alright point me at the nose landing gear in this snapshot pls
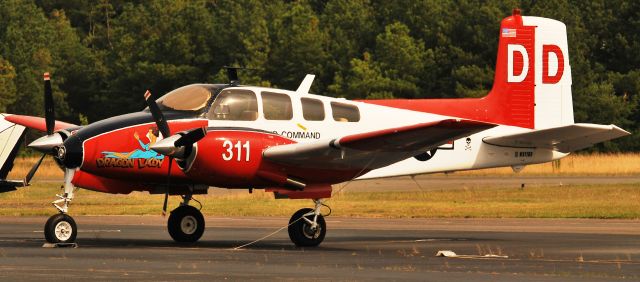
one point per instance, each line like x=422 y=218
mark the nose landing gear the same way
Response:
x=61 y=228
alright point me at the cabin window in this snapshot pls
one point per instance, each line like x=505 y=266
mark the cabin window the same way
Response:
x=312 y=109
x=345 y=112
x=276 y=106
x=234 y=104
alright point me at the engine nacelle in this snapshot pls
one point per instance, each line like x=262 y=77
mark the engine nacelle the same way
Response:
x=231 y=158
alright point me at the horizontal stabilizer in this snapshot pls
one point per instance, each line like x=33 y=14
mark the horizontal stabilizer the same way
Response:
x=564 y=139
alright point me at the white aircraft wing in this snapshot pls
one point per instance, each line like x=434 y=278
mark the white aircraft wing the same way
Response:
x=564 y=139
x=374 y=149
x=11 y=136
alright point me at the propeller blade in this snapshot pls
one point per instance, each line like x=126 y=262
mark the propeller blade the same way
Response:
x=191 y=137
x=33 y=170
x=158 y=117
x=164 y=206
x=49 y=114
x=166 y=193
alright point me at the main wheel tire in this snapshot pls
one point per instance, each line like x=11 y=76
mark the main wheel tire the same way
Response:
x=60 y=228
x=186 y=224
x=300 y=231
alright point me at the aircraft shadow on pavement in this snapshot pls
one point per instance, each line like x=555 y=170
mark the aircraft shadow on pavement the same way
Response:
x=119 y=243
x=339 y=243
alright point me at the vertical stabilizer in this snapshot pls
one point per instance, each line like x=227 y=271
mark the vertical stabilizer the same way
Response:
x=533 y=75
x=532 y=81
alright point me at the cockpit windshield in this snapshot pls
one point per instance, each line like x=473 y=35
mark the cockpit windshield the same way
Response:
x=192 y=97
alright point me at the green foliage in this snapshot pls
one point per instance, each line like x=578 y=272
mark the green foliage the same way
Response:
x=104 y=54
x=299 y=46
x=83 y=119
x=7 y=84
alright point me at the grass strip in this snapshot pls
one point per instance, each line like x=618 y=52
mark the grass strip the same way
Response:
x=621 y=201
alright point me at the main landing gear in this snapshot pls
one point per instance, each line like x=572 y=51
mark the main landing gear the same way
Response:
x=307 y=226
x=186 y=223
x=61 y=228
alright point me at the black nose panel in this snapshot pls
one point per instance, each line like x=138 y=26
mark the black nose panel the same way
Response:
x=72 y=157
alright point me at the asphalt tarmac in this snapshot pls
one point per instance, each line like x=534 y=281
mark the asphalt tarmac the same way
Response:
x=139 y=248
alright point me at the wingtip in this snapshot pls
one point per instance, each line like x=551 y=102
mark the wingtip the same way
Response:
x=620 y=130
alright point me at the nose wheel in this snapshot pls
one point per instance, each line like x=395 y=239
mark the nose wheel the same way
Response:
x=307 y=227
x=186 y=224
x=60 y=228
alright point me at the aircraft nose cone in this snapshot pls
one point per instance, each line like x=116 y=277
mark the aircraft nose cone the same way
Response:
x=167 y=147
x=70 y=153
x=46 y=143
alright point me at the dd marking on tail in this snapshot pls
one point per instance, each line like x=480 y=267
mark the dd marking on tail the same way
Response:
x=552 y=63
x=557 y=62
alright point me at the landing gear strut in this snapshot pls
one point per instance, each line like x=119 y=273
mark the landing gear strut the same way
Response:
x=186 y=223
x=61 y=228
x=307 y=226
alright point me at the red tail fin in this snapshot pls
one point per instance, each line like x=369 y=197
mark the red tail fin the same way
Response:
x=513 y=84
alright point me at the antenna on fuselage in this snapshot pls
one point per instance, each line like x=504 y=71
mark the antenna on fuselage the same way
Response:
x=232 y=75
x=305 y=85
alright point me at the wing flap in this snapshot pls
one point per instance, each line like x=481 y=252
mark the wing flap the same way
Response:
x=374 y=149
x=564 y=139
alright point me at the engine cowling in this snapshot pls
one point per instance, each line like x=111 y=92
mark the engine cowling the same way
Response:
x=232 y=158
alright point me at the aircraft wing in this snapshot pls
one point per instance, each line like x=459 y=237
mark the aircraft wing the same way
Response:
x=36 y=123
x=373 y=149
x=11 y=136
x=565 y=139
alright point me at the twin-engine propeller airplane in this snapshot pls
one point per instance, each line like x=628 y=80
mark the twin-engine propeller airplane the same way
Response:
x=297 y=145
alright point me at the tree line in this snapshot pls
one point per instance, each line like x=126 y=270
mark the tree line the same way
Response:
x=104 y=54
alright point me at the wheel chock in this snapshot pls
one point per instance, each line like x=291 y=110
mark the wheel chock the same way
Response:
x=60 y=245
